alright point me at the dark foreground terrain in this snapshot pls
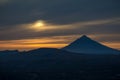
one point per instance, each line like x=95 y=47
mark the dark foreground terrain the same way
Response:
x=55 y=64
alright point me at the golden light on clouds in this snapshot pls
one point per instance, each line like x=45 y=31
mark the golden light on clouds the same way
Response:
x=28 y=44
x=22 y=47
x=115 y=45
x=50 y=42
x=45 y=35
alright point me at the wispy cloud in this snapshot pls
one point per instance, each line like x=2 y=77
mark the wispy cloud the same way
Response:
x=98 y=19
x=100 y=27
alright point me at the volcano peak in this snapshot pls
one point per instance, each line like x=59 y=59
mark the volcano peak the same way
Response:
x=85 y=44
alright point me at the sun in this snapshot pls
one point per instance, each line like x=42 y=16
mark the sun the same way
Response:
x=39 y=23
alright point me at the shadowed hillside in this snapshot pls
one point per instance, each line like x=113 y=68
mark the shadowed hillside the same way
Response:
x=61 y=64
x=86 y=45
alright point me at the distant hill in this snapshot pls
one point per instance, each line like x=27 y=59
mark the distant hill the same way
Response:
x=57 y=64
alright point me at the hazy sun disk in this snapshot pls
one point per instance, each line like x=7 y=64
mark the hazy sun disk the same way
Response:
x=38 y=25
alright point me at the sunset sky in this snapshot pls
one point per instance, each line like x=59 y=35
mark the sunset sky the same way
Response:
x=30 y=24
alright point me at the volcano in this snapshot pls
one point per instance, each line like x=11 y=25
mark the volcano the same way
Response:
x=86 y=45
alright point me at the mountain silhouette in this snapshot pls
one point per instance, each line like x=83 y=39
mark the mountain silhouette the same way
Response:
x=62 y=64
x=86 y=45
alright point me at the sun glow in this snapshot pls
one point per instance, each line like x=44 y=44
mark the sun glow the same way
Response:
x=38 y=25
x=41 y=25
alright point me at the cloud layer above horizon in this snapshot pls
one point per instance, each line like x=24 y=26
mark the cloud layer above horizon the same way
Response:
x=99 y=19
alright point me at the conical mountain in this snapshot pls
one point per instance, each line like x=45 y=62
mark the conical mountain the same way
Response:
x=87 y=45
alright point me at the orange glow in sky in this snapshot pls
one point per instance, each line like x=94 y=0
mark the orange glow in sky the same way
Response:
x=58 y=42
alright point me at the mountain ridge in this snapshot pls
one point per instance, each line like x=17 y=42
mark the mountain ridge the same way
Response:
x=82 y=45
x=85 y=44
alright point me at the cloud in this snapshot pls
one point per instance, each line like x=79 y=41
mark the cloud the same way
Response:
x=97 y=18
x=100 y=27
x=57 y=11
x=3 y=2
x=55 y=42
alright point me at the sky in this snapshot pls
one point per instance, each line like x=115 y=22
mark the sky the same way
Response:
x=30 y=24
